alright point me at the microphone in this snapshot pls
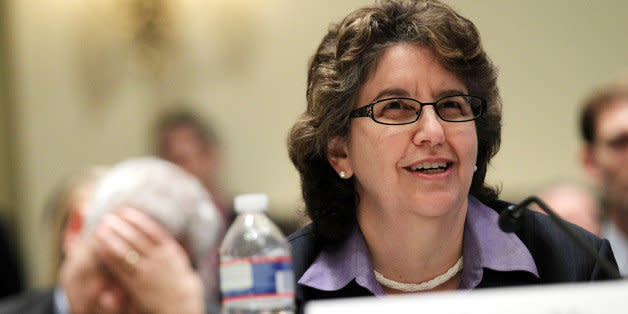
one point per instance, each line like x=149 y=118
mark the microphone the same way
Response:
x=509 y=222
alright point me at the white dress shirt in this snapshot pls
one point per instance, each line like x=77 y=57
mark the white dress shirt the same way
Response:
x=619 y=244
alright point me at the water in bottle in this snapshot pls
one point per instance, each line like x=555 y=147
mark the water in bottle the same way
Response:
x=255 y=262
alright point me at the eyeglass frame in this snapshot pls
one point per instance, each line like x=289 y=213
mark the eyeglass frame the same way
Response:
x=367 y=110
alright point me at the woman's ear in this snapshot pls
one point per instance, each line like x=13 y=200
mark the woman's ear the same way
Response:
x=338 y=156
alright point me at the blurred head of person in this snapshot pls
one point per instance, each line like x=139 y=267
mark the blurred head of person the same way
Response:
x=185 y=140
x=369 y=66
x=573 y=203
x=165 y=192
x=604 y=129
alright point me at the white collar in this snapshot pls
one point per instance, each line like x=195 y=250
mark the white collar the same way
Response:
x=619 y=244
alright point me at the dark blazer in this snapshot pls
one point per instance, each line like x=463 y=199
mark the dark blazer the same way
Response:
x=42 y=302
x=37 y=302
x=557 y=257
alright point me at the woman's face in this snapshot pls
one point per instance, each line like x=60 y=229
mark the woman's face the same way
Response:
x=386 y=160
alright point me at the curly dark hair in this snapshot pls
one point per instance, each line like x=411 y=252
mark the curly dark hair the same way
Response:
x=344 y=58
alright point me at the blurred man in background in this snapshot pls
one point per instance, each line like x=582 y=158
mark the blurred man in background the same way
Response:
x=136 y=247
x=185 y=140
x=604 y=128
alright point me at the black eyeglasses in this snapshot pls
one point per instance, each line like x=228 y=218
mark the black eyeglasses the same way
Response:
x=404 y=110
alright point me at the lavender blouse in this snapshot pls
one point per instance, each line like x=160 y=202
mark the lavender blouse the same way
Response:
x=484 y=246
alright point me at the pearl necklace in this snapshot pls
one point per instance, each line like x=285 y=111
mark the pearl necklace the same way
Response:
x=427 y=285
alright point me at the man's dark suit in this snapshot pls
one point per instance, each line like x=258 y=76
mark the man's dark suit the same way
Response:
x=557 y=257
x=37 y=302
x=42 y=302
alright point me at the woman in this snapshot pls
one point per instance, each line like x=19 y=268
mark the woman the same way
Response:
x=403 y=118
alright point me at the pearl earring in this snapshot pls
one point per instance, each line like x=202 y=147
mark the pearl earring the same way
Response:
x=475 y=168
x=343 y=175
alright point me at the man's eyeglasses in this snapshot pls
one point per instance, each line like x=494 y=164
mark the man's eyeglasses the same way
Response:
x=404 y=110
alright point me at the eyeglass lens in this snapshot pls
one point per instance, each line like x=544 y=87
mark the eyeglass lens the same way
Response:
x=406 y=110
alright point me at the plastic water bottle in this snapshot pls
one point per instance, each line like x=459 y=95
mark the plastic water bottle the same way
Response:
x=255 y=262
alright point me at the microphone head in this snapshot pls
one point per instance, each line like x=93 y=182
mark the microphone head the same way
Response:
x=509 y=222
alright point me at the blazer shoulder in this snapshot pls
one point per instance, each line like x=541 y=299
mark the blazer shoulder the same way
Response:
x=558 y=256
x=302 y=234
x=304 y=245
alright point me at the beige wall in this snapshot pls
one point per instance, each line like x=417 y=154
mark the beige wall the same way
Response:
x=550 y=54
x=4 y=159
x=5 y=188
x=86 y=92
x=5 y=185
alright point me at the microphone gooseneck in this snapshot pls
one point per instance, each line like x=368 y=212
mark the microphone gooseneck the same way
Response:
x=509 y=221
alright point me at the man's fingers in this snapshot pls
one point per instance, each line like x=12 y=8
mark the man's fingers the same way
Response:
x=145 y=224
x=120 y=258
x=128 y=233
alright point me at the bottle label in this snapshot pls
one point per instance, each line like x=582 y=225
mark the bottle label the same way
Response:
x=256 y=278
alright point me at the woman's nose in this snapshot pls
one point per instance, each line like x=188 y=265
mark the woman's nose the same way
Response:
x=429 y=128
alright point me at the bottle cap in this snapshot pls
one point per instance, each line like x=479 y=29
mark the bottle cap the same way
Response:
x=257 y=202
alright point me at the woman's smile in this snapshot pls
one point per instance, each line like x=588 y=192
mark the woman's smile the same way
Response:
x=432 y=169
